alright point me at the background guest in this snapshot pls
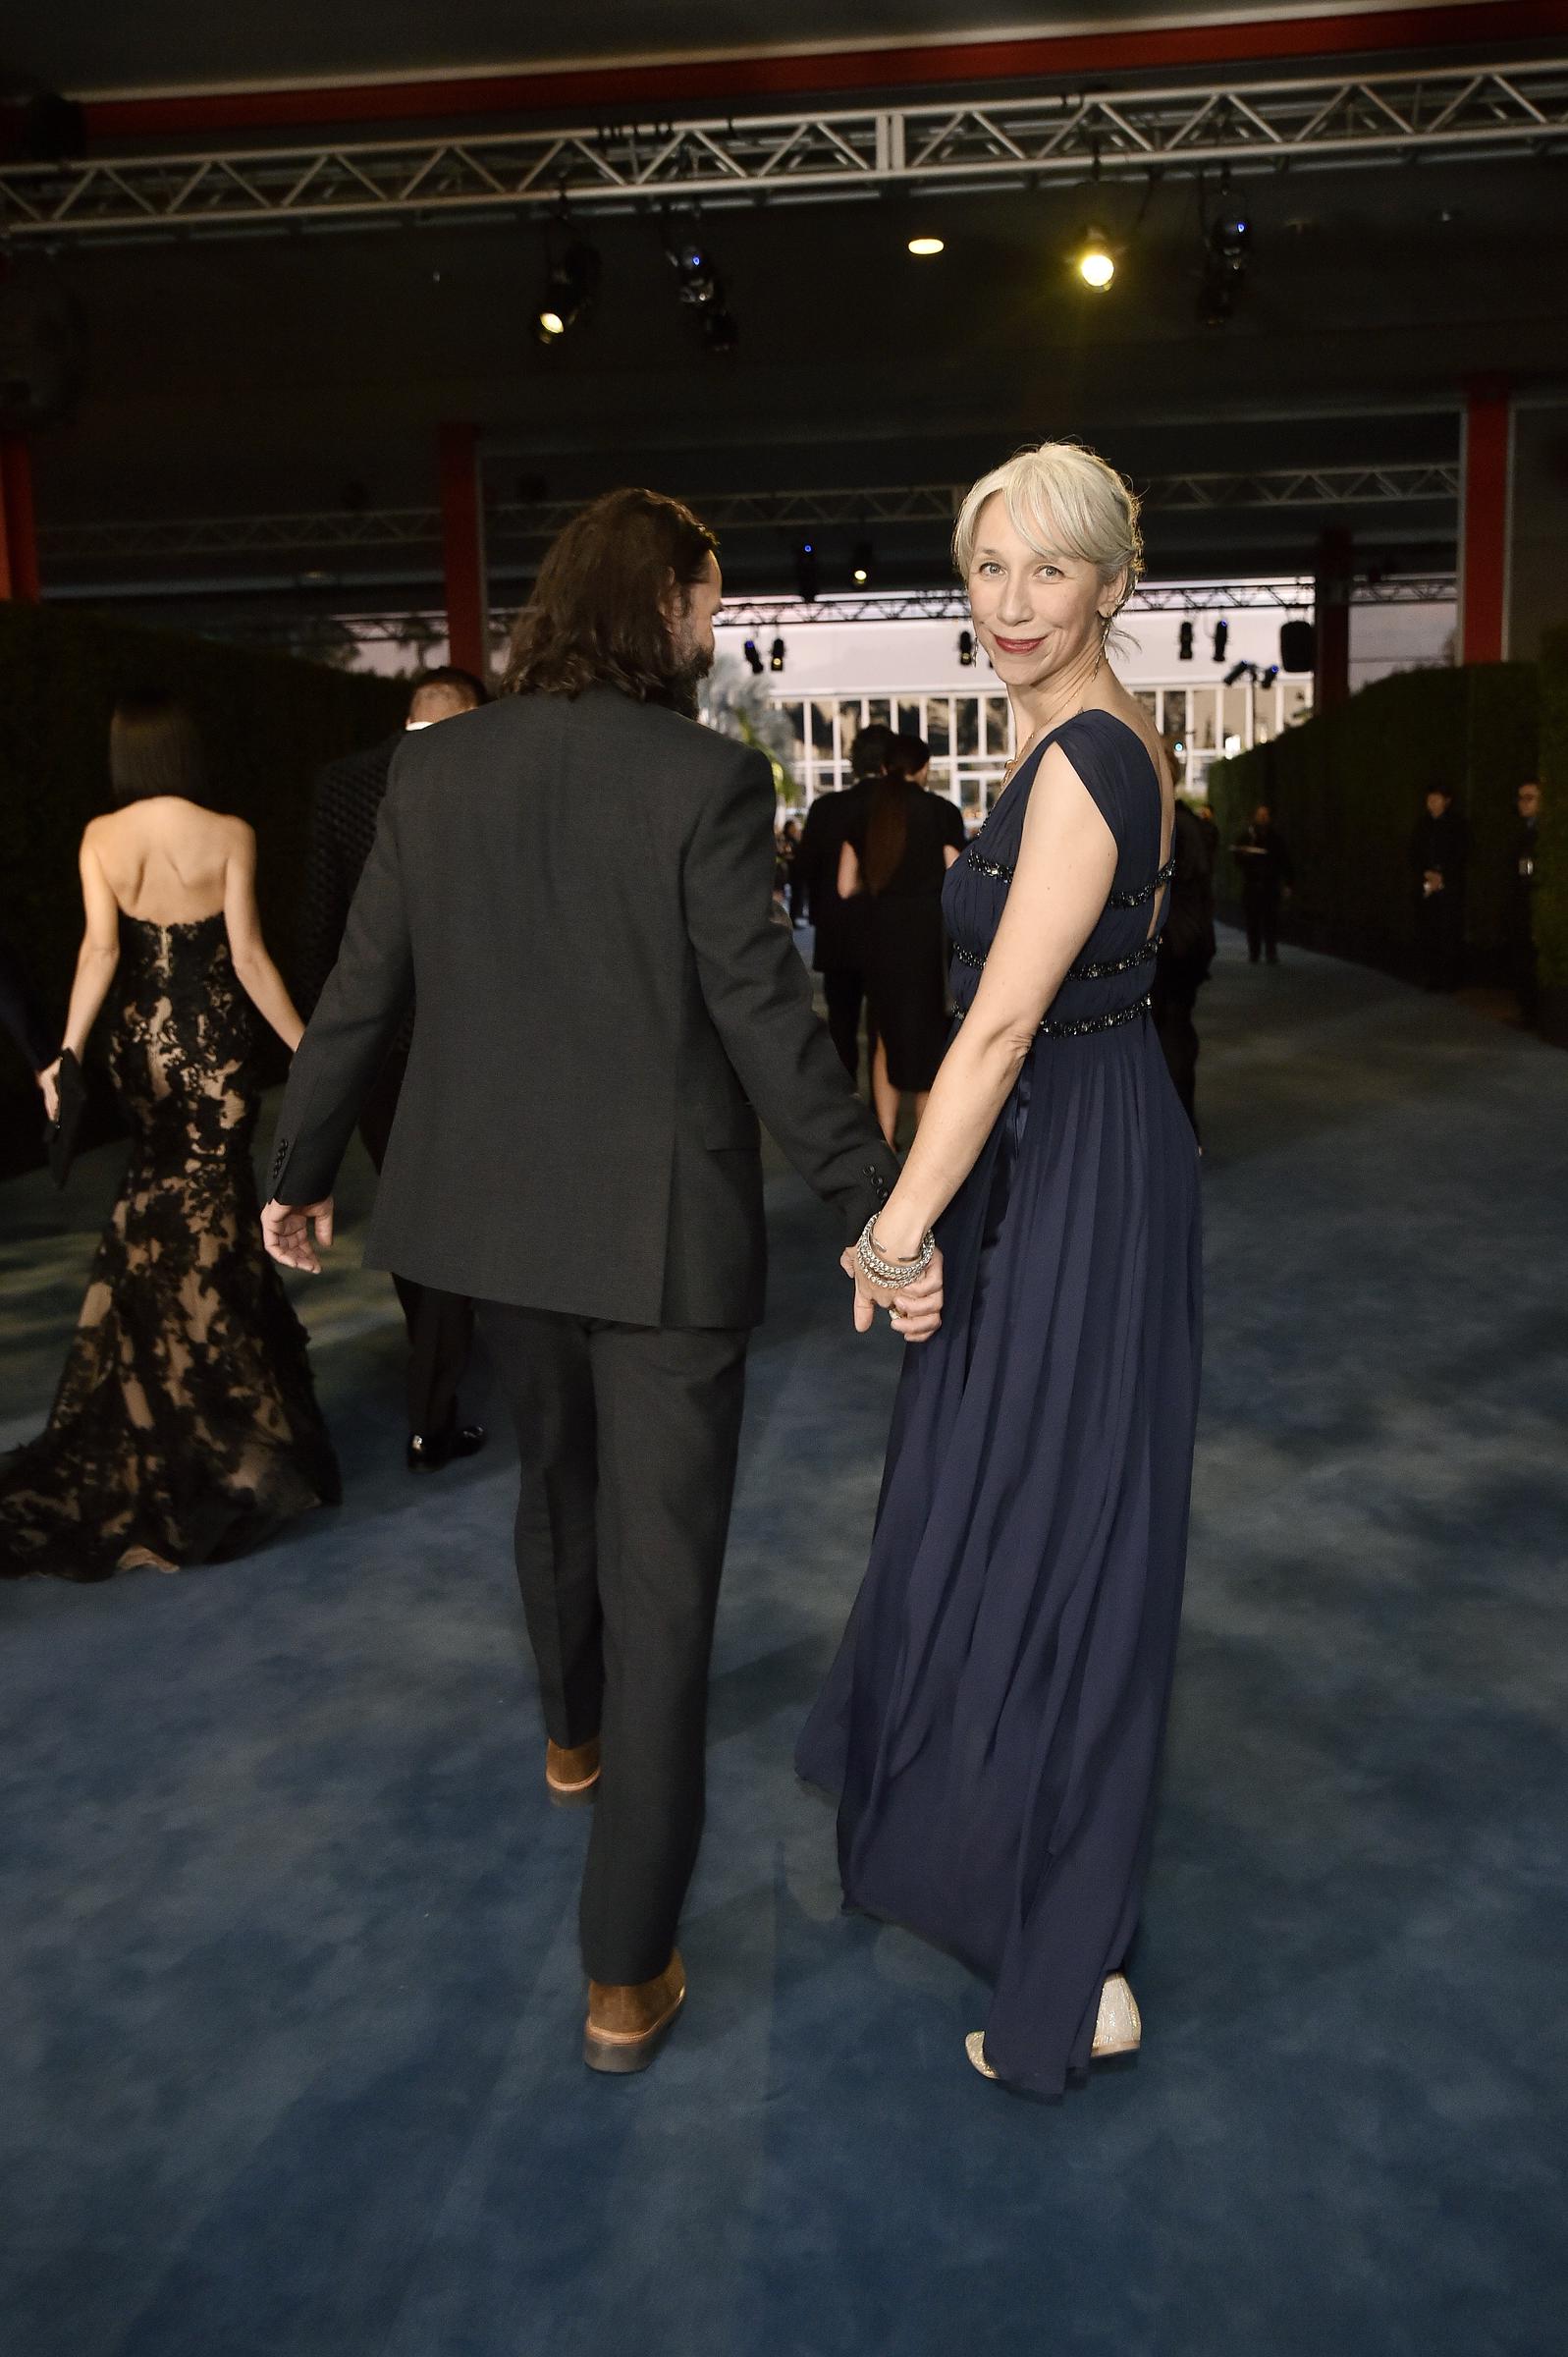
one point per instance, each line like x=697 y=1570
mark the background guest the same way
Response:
x=838 y=947
x=348 y=803
x=1187 y=952
x=184 y=1428
x=1520 y=893
x=21 y=1015
x=1439 y=849
x=896 y=855
x=1265 y=873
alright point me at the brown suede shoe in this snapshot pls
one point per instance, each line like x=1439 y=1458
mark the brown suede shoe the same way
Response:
x=626 y=2025
x=572 y=1775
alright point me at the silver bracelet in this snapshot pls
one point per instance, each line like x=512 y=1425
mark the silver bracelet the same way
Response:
x=878 y=1269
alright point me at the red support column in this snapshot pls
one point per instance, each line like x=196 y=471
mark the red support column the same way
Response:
x=463 y=550
x=1485 y=473
x=1331 y=583
x=19 y=541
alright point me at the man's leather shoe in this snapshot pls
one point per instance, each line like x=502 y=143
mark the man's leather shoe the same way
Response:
x=571 y=1774
x=627 y=2024
x=427 y=1453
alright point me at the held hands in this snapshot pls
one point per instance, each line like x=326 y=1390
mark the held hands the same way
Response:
x=914 y=1312
x=286 y=1233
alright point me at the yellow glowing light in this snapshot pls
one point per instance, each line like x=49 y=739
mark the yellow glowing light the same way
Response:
x=551 y=323
x=862 y=577
x=1095 y=265
x=925 y=246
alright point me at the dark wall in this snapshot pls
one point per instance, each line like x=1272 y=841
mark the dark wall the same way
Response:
x=1346 y=787
x=267 y=722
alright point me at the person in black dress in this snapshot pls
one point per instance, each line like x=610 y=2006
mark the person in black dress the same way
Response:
x=185 y=1427
x=1439 y=852
x=898 y=849
x=1186 y=954
x=838 y=945
x=348 y=801
x=992 y=1723
x=1264 y=857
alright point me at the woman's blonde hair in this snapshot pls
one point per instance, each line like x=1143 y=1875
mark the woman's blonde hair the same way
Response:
x=1064 y=500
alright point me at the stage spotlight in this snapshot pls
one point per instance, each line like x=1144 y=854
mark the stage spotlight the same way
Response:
x=862 y=563
x=1094 y=261
x=776 y=657
x=696 y=281
x=967 y=648
x=1184 y=642
x=806 y=570
x=1268 y=675
x=1227 y=255
x=926 y=245
x=754 y=655
x=569 y=290
x=1221 y=639
x=1240 y=670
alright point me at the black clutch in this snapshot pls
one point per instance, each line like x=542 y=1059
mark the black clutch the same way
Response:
x=65 y=1127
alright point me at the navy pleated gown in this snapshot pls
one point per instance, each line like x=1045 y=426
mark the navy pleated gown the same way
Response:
x=993 y=1720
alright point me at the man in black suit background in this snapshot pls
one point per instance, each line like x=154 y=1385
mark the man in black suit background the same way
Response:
x=575 y=887
x=837 y=951
x=343 y=826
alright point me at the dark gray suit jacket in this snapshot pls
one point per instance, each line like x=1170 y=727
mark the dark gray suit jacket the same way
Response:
x=580 y=893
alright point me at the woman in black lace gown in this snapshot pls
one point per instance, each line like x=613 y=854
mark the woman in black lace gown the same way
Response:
x=185 y=1427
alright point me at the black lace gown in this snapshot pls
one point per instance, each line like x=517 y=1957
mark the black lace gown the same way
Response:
x=186 y=1421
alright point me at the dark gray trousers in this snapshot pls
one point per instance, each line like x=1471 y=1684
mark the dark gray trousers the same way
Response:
x=627 y=1436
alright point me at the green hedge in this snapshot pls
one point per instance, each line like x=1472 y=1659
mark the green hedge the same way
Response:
x=1550 y=900
x=268 y=722
x=1346 y=787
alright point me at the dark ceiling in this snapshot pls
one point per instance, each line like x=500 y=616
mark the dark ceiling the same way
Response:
x=286 y=373
x=82 y=46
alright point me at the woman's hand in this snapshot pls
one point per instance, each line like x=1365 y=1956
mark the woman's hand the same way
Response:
x=49 y=1082
x=914 y=1310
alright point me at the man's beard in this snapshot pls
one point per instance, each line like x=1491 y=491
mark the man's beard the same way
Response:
x=686 y=682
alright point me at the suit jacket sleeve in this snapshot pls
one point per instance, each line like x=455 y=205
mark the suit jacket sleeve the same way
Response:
x=325 y=899
x=759 y=994
x=366 y=997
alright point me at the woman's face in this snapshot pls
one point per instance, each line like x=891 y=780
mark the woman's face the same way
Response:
x=1035 y=616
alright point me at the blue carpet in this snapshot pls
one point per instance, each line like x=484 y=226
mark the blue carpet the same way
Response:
x=289 y=1987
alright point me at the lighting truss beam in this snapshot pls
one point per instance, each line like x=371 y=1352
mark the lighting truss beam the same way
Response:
x=1448 y=111
x=727 y=511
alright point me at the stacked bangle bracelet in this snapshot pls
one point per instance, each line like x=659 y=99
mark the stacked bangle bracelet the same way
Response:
x=890 y=1275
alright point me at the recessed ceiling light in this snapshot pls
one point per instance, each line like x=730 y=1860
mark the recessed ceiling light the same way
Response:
x=925 y=246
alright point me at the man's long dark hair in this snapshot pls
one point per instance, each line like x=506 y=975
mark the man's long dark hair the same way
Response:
x=596 y=616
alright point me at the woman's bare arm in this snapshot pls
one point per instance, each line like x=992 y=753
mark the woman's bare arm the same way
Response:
x=96 y=960
x=258 y=977
x=1066 y=865
x=848 y=878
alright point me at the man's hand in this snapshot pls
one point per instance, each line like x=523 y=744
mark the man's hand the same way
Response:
x=286 y=1233
x=915 y=1312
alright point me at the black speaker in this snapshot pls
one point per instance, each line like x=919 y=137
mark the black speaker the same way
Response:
x=1298 y=646
x=42 y=348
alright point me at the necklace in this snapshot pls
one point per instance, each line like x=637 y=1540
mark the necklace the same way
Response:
x=1047 y=728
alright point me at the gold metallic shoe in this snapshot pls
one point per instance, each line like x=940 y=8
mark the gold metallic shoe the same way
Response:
x=1118 y=2028
x=572 y=1775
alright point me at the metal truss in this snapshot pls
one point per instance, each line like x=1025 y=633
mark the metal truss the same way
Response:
x=727 y=511
x=1447 y=111
x=424 y=626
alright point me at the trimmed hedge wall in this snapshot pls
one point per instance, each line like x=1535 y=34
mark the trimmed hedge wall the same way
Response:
x=1346 y=787
x=1551 y=900
x=267 y=720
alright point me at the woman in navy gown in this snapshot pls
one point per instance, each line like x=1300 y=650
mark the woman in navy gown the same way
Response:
x=992 y=1723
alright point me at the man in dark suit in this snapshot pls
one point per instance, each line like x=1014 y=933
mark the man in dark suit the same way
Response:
x=836 y=950
x=576 y=888
x=1264 y=859
x=343 y=826
x=1439 y=854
